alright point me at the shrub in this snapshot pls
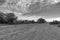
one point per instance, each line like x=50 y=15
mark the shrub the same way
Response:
x=55 y=22
x=41 y=20
x=19 y=22
x=31 y=21
x=24 y=21
x=28 y=21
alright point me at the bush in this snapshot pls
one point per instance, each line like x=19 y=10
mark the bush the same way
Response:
x=24 y=21
x=41 y=20
x=19 y=22
x=32 y=21
x=55 y=22
x=28 y=21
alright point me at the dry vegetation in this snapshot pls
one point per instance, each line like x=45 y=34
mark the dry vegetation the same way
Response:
x=29 y=32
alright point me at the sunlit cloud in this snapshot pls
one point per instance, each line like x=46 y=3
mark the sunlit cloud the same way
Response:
x=52 y=19
x=28 y=17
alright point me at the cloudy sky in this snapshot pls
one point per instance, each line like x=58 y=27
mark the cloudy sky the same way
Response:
x=35 y=12
x=48 y=13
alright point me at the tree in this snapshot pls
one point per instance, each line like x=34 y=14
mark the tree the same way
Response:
x=2 y=17
x=10 y=17
x=31 y=21
x=41 y=20
x=25 y=21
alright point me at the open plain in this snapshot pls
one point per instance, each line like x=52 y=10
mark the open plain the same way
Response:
x=29 y=32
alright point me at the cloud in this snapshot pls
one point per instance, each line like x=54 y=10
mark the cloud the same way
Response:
x=36 y=11
x=52 y=11
x=51 y=19
x=28 y=17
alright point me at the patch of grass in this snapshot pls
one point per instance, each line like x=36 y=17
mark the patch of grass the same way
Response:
x=41 y=32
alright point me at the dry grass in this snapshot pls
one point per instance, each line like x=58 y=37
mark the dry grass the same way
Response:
x=29 y=32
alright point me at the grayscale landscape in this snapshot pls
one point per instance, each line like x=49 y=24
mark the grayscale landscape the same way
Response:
x=24 y=29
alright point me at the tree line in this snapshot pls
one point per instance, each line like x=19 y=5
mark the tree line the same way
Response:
x=10 y=18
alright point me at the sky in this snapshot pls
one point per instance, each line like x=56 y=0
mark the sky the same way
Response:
x=48 y=13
